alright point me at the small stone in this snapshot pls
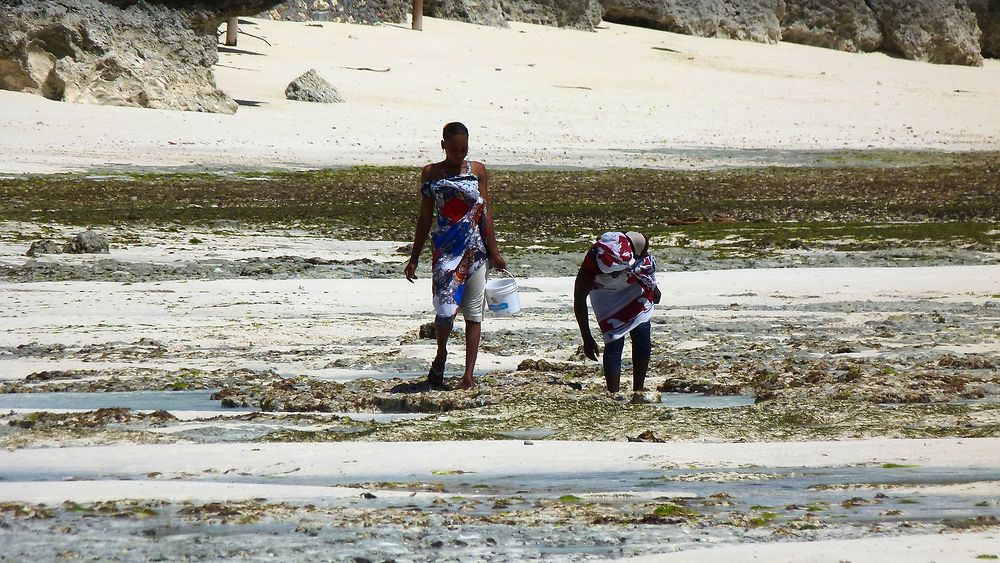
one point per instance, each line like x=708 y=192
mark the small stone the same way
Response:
x=428 y=330
x=645 y=398
x=529 y=443
x=647 y=436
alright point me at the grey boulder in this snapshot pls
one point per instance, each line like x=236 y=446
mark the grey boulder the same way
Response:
x=44 y=246
x=87 y=242
x=311 y=87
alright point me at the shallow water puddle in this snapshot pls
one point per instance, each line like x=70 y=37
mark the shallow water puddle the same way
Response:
x=137 y=400
x=701 y=401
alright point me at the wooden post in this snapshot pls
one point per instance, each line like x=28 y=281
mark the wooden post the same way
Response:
x=418 y=15
x=232 y=30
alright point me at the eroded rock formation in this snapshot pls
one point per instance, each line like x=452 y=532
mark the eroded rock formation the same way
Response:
x=755 y=20
x=346 y=11
x=935 y=31
x=938 y=31
x=480 y=12
x=988 y=17
x=578 y=14
x=848 y=25
x=155 y=54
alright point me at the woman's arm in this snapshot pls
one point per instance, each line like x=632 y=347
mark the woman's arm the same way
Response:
x=582 y=287
x=491 y=239
x=423 y=228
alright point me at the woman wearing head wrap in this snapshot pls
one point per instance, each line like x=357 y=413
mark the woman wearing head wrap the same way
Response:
x=619 y=276
x=455 y=192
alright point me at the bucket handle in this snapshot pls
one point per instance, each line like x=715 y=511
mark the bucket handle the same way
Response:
x=504 y=271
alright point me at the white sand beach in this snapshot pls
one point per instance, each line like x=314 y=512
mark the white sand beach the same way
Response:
x=532 y=95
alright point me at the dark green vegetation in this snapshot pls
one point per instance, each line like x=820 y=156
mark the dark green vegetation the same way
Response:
x=953 y=200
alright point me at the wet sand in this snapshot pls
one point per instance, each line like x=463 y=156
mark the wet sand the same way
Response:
x=495 y=500
x=316 y=360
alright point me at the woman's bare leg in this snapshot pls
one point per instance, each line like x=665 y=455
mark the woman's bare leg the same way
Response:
x=442 y=329
x=473 y=334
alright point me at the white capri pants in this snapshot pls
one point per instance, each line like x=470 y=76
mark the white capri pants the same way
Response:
x=474 y=296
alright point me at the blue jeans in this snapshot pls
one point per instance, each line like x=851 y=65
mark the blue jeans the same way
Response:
x=642 y=347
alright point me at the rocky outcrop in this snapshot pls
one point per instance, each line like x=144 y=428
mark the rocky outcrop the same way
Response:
x=480 y=12
x=848 y=25
x=988 y=17
x=581 y=14
x=935 y=31
x=578 y=14
x=87 y=242
x=754 y=20
x=311 y=87
x=155 y=54
x=345 y=11
x=938 y=31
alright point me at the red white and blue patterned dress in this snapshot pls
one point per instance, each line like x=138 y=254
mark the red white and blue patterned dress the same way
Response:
x=459 y=250
x=622 y=294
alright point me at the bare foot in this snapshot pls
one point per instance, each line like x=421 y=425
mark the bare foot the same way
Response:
x=436 y=374
x=467 y=383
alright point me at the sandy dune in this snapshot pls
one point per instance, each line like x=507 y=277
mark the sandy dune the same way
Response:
x=533 y=96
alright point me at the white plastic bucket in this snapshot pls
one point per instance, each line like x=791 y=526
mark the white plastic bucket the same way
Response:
x=501 y=296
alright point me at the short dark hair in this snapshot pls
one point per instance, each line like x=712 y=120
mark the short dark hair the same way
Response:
x=454 y=128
